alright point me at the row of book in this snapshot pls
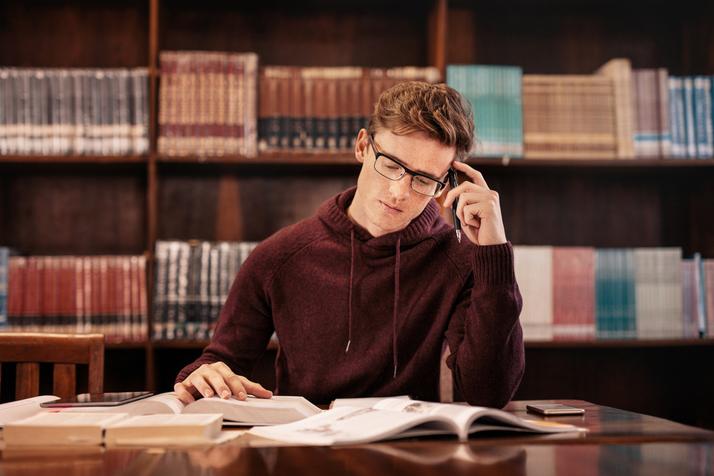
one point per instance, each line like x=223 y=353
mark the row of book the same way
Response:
x=207 y=103
x=313 y=109
x=75 y=294
x=581 y=293
x=569 y=293
x=192 y=283
x=216 y=103
x=74 y=111
x=617 y=112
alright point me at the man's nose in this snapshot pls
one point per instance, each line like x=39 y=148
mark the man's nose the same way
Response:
x=400 y=189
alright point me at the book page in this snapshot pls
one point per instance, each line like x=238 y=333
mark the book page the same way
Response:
x=24 y=408
x=459 y=414
x=353 y=425
x=367 y=402
x=256 y=411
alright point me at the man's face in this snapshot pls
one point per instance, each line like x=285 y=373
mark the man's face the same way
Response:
x=382 y=205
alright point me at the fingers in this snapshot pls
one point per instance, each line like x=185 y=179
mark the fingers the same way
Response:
x=256 y=389
x=471 y=173
x=463 y=188
x=218 y=379
x=182 y=393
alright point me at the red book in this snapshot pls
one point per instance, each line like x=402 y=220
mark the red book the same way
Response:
x=573 y=293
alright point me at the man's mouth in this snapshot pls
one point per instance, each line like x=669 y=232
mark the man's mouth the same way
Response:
x=390 y=208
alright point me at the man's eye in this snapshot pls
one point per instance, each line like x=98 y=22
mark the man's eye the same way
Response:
x=391 y=166
x=423 y=181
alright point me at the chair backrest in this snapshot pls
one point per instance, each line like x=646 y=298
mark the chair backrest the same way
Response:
x=65 y=351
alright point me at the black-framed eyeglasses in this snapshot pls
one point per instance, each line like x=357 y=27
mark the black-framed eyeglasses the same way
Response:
x=390 y=168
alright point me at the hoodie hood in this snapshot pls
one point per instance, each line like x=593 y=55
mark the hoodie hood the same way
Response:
x=333 y=213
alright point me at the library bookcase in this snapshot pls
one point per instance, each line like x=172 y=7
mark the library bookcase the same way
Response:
x=122 y=205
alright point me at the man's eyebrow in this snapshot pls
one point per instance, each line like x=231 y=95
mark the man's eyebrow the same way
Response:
x=403 y=164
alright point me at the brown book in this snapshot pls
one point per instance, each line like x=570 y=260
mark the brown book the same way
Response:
x=17 y=290
x=308 y=86
x=569 y=117
x=620 y=71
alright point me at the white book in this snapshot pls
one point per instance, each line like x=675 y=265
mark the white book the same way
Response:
x=252 y=411
x=183 y=429
x=534 y=273
x=59 y=429
x=393 y=418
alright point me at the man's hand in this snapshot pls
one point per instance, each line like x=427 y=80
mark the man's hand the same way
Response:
x=479 y=209
x=218 y=379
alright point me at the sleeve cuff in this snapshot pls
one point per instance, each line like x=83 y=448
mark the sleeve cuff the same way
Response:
x=493 y=264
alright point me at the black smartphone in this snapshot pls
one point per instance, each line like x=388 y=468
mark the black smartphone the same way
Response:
x=107 y=399
x=554 y=409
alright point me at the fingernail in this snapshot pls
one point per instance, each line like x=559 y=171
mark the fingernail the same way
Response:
x=208 y=393
x=225 y=394
x=241 y=395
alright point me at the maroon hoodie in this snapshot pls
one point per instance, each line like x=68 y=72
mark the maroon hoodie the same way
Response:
x=359 y=316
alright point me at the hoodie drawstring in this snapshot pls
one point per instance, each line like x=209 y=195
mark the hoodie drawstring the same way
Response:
x=396 y=306
x=352 y=272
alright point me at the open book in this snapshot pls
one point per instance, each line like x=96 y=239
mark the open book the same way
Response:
x=252 y=411
x=392 y=418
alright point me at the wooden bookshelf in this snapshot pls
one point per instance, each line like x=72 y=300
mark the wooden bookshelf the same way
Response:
x=123 y=205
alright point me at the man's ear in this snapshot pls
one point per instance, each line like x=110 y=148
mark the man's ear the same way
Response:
x=361 y=145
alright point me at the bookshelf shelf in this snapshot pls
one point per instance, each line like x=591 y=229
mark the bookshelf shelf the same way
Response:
x=290 y=158
x=593 y=163
x=127 y=345
x=619 y=343
x=271 y=158
x=73 y=159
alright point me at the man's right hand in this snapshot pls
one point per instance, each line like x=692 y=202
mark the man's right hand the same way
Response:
x=218 y=379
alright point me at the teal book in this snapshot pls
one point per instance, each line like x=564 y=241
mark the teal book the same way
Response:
x=615 y=294
x=495 y=94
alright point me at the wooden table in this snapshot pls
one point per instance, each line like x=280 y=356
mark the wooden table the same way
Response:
x=619 y=442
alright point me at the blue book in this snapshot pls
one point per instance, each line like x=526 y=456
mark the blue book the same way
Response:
x=703 y=117
x=690 y=124
x=676 y=117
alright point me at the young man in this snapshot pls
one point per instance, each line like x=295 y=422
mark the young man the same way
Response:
x=363 y=294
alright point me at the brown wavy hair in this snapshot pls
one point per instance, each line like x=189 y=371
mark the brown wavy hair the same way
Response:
x=435 y=109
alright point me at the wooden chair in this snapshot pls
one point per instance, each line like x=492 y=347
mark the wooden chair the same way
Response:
x=65 y=351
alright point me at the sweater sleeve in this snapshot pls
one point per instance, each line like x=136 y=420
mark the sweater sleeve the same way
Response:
x=484 y=335
x=245 y=323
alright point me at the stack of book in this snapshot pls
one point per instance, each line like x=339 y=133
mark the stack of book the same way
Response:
x=313 y=109
x=495 y=95
x=74 y=111
x=207 y=103
x=586 y=293
x=569 y=117
x=77 y=294
x=616 y=113
x=192 y=283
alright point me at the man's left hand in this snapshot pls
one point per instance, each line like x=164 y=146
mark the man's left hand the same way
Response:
x=479 y=208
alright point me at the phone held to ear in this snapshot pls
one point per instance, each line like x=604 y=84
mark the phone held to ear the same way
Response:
x=554 y=409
